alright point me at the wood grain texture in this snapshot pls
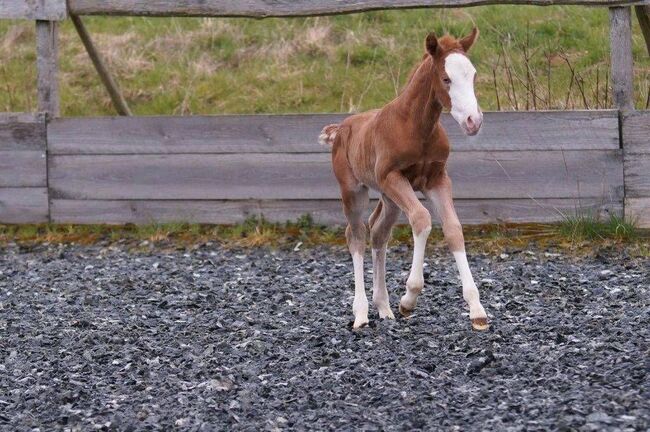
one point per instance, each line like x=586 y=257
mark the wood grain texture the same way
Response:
x=622 y=67
x=540 y=174
x=22 y=168
x=637 y=176
x=638 y=210
x=21 y=117
x=552 y=130
x=636 y=132
x=322 y=211
x=636 y=142
x=47 y=59
x=49 y=10
x=285 y=8
x=23 y=205
x=22 y=131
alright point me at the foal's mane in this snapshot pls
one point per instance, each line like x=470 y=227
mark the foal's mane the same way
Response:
x=415 y=69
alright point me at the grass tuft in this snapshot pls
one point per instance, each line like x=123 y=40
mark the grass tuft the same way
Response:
x=580 y=228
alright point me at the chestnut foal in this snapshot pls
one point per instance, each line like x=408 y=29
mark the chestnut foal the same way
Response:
x=400 y=149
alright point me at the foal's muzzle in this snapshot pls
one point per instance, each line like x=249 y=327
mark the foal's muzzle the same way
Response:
x=472 y=124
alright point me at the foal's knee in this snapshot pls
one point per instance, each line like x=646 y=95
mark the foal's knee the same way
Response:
x=453 y=232
x=420 y=220
x=379 y=236
x=356 y=237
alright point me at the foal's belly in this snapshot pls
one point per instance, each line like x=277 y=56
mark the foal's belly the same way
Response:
x=422 y=176
x=369 y=181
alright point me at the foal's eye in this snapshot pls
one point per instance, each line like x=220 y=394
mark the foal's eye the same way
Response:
x=446 y=81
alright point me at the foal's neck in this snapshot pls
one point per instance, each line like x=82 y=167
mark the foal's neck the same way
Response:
x=418 y=100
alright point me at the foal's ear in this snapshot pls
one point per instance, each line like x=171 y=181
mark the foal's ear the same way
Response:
x=469 y=40
x=432 y=43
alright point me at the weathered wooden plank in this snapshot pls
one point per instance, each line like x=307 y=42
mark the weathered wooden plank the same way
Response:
x=636 y=132
x=23 y=205
x=636 y=145
x=552 y=130
x=620 y=36
x=49 y=10
x=21 y=117
x=540 y=174
x=22 y=131
x=637 y=176
x=47 y=55
x=638 y=211
x=286 y=8
x=322 y=211
x=22 y=169
x=194 y=134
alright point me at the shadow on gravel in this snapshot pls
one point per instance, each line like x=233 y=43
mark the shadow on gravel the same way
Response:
x=255 y=339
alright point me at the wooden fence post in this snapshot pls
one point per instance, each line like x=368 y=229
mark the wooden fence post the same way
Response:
x=635 y=164
x=620 y=36
x=47 y=38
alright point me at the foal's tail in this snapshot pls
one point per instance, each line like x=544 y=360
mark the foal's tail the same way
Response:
x=328 y=135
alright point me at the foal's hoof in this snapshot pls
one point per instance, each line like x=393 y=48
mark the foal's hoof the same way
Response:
x=480 y=324
x=406 y=313
x=360 y=323
x=386 y=314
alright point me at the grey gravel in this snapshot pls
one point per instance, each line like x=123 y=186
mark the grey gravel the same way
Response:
x=100 y=337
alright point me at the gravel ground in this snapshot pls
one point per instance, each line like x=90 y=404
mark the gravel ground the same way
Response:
x=97 y=337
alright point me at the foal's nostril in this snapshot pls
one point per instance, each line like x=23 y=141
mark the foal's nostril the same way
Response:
x=470 y=122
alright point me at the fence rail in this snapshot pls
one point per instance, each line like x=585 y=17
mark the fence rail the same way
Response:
x=524 y=167
x=284 y=8
x=57 y=10
x=46 y=10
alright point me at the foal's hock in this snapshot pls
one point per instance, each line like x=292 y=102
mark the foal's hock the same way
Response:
x=398 y=150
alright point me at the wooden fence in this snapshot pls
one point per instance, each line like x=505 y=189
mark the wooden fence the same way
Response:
x=523 y=167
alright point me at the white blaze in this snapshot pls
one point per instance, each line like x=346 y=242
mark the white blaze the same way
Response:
x=463 y=101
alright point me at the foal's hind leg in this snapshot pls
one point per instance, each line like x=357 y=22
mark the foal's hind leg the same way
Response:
x=453 y=231
x=355 y=203
x=381 y=225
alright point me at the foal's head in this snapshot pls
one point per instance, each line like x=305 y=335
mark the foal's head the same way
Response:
x=454 y=79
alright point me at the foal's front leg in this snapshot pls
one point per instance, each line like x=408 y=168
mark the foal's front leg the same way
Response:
x=442 y=200
x=400 y=191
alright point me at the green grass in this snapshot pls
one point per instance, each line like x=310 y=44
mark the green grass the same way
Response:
x=582 y=228
x=251 y=232
x=586 y=234
x=326 y=64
